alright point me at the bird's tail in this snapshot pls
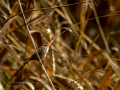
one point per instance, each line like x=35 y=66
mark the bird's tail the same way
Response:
x=26 y=59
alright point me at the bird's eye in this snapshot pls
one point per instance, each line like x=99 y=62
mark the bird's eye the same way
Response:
x=46 y=45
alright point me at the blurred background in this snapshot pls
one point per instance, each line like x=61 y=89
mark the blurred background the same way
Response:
x=83 y=56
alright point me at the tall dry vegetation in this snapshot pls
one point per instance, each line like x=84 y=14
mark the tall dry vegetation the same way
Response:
x=83 y=56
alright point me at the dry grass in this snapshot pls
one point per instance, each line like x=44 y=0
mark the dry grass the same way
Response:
x=83 y=56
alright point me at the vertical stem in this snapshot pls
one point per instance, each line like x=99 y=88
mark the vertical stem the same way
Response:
x=35 y=46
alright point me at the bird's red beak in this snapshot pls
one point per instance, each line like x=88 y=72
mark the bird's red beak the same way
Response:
x=47 y=45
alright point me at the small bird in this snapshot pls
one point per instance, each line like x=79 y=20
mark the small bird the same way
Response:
x=42 y=51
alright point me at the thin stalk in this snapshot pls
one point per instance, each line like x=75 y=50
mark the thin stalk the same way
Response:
x=35 y=47
x=99 y=26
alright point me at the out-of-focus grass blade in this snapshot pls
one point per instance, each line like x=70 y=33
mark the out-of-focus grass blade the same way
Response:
x=5 y=45
x=30 y=85
x=8 y=4
x=93 y=41
x=14 y=47
x=4 y=29
x=1 y=87
x=91 y=57
x=39 y=20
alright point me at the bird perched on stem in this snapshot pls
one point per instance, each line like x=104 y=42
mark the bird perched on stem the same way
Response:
x=42 y=51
